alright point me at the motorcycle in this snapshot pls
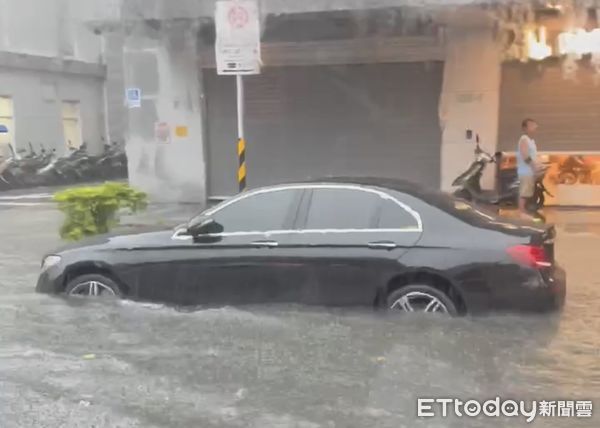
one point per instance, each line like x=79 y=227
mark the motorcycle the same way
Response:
x=22 y=168
x=468 y=184
x=79 y=164
x=113 y=162
x=50 y=174
x=7 y=180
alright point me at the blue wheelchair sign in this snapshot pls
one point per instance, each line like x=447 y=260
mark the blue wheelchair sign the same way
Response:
x=134 y=97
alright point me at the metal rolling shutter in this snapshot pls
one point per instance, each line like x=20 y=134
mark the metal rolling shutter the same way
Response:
x=312 y=121
x=568 y=111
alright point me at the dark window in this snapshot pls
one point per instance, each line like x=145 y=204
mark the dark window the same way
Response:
x=393 y=216
x=342 y=209
x=257 y=213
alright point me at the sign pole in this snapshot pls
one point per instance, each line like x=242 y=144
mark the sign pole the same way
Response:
x=241 y=138
x=237 y=50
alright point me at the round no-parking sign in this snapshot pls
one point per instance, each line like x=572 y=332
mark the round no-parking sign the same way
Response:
x=238 y=16
x=237 y=46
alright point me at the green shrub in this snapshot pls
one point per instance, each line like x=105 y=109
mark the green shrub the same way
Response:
x=95 y=210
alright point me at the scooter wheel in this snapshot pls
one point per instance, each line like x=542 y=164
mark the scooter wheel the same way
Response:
x=541 y=201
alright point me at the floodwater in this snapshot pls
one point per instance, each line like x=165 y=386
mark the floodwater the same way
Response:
x=119 y=364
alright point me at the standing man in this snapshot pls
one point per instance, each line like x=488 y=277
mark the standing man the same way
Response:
x=527 y=163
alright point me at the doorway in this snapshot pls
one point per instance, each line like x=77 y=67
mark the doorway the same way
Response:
x=71 y=118
x=7 y=120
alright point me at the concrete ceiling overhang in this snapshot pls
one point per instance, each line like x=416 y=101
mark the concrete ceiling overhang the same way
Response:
x=510 y=15
x=126 y=10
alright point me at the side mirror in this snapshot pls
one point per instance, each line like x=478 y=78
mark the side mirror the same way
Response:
x=204 y=226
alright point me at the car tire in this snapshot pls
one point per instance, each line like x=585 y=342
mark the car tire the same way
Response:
x=419 y=297
x=93 y=285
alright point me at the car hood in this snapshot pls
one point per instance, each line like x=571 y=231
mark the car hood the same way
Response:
x=140 y=237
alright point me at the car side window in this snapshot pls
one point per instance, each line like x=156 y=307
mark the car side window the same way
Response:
x=342 y=209
x=393 y=216
x=260 y=212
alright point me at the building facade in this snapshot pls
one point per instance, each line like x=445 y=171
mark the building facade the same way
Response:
x=347 y=88
x=51 y=76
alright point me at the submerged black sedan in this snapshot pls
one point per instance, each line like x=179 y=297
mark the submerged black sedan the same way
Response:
x=341 y=242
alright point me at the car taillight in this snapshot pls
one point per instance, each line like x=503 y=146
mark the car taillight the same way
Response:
x=530 y=255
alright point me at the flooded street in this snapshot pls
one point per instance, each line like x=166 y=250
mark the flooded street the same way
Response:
x=121 y=364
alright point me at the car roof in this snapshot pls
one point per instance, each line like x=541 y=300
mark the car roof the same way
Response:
x=439 y=199
x=397 y=184
x=429 y=195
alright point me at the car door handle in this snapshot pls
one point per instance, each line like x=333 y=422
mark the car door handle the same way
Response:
x=382 y=245
x=265 y=244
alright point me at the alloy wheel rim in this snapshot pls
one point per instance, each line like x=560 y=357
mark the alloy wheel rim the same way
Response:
x=420 y=302
x=92 y=289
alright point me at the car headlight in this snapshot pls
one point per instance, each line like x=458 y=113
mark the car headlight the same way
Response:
x=50 y=261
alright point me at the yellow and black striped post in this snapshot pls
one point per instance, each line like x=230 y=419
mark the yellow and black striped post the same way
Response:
x=242 y=172
x=242 y=164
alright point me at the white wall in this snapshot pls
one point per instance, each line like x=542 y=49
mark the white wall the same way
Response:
x=164 y=65
x=470 y=96
x=37 y=100
x=30 y=26
x=46 y=27
x=44 y=33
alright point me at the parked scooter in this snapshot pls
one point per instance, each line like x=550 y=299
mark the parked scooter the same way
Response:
x=468 y=184
x=25 y=169
x=30 y=168
x=15 y=168
x=7 y=179
x=81 y=165
x=33 y=161
x=49 y=174
x=113 y=162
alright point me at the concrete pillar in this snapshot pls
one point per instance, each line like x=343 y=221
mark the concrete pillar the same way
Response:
x=161 y=60
x=116 y=113
x=470 y=94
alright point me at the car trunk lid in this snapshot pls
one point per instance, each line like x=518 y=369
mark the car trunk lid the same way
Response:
x=544 y=237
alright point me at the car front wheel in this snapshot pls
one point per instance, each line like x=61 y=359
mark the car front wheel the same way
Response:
x=92 y=285
x=421 y=298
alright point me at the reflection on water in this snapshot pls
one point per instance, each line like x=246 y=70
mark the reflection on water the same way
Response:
x=110 y=363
